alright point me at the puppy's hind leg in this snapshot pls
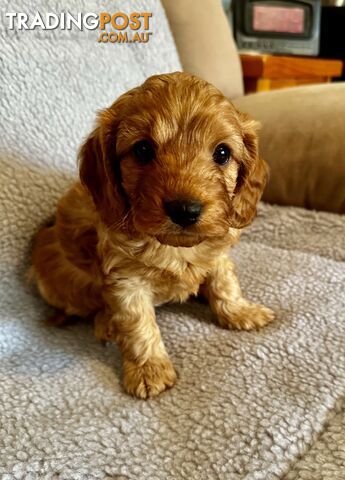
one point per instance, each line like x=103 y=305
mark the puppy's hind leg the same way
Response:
x=57 y=319
x=64 y=286
x=61 y=318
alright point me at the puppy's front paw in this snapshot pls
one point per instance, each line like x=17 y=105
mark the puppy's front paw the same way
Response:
x=150 y=379
x=246 y=316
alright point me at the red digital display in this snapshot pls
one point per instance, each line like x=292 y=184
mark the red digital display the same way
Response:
x=278 y=19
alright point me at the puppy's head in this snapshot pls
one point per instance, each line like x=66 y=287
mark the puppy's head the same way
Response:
x=173 y=159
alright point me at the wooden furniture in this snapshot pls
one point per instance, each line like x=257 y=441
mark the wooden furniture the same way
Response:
x=270 y=72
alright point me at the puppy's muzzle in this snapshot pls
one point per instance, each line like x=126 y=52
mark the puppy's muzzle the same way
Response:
x=183 y=212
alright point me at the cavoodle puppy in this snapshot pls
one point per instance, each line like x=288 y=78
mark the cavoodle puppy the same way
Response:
x=168 y=178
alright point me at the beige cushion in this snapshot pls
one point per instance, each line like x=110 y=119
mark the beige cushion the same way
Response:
x=205 y=44
x=303 y=140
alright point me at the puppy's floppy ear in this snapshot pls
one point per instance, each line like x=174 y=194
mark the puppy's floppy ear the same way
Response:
x=91 y=169
x=252 y=176
x=100 y=173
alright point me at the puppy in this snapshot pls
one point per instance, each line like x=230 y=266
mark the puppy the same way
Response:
x=168 y=178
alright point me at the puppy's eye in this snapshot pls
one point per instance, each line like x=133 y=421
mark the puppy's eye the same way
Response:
x=144 y=151
x=222 y=154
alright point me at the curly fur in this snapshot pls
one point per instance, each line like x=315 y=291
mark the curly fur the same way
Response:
x=114 y=254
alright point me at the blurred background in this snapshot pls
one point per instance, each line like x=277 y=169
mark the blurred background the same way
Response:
x=311 y=28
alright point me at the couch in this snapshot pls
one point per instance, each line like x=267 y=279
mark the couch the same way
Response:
x=248 y=405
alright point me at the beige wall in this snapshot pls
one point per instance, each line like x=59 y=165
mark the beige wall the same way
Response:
x=205 y=43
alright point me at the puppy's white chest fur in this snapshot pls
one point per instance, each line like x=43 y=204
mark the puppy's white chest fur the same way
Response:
x=167 y=273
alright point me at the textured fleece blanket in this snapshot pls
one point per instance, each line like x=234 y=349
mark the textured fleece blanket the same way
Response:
x=258 y=405
x=248 y=405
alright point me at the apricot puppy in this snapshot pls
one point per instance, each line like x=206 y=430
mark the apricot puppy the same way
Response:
x=168 y=178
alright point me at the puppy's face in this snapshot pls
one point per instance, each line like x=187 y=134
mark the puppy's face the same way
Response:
x=174 y=160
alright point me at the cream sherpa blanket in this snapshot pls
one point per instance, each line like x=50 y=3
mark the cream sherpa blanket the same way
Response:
x=257 y=406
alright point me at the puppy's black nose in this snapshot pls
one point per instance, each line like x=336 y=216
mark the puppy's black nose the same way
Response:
x=183 y=212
